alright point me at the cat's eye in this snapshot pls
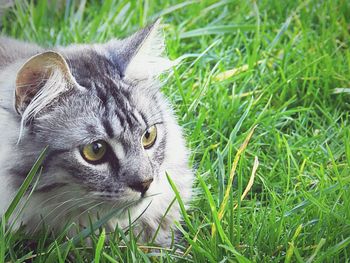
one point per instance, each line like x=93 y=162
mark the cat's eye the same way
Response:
x=149 y=137
x=94 y=152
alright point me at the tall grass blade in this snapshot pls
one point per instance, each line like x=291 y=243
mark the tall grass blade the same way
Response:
x=100 y=243
x=25 y=185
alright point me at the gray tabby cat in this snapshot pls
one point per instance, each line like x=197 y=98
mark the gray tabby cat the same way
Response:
x=111 y=134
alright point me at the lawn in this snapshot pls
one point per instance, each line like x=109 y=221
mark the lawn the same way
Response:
x=275 y=70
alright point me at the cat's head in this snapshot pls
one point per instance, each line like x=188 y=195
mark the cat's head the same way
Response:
x=99 y=110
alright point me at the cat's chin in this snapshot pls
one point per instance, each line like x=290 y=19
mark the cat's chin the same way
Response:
x=129 y=199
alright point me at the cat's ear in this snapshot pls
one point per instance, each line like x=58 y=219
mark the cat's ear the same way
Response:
x=142 y=54
x=40 y=80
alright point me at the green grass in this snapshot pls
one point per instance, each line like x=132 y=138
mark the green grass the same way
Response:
x=292 y=57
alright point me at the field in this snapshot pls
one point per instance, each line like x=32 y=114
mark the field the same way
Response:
x=275 y=70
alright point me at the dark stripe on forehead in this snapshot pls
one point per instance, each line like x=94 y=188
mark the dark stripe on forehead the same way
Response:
x=132 y=115
x=143 y=116
x=121 y=116
x=128 y=120
x=108 y=128
x=101 y=94
x=90 y=65
x=124 y=109
x=126 y=92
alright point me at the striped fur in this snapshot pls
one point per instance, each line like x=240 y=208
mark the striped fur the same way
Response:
x=106 y=101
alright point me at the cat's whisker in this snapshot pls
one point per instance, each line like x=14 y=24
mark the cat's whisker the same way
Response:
x=76 y=218
x=62 y=202
x=58 y=205
x=105 y=194
x=87 y=210
x=55 y=196
x=70 y=208
x=65 y=213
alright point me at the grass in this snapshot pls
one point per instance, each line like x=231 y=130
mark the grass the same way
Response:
x=282 y=66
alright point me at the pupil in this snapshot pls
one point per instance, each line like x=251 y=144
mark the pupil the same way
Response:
x=147 y=135
x=96 y=148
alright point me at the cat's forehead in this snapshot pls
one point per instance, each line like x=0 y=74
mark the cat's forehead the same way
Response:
x=86 y=117
x=104 y=93
x=91 y=65
x=104 y=106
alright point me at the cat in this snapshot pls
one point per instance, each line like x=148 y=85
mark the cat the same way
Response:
x=112 y=136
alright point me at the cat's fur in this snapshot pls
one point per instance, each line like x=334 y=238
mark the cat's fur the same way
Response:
x=71 y=96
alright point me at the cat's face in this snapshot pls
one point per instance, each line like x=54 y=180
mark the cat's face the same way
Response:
x=109 y=135
x=106 y=129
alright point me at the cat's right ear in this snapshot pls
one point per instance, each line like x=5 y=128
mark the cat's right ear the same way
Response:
x=141 y=56
x=40 y=80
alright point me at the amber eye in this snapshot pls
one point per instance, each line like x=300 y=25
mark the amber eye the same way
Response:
x=94 y=152
x=149 y=137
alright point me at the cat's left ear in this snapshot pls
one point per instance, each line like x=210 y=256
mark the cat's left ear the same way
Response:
x=141 y=56
x=40 y=81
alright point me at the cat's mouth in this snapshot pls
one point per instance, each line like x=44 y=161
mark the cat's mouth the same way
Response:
x=119 y=197
x=136 y=191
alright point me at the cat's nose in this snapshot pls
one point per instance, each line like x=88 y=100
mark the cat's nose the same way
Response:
x=141 y=187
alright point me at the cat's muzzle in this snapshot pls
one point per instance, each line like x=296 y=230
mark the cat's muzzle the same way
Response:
x=141 y=186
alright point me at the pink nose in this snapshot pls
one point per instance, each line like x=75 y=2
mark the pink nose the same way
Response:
x=141 y=187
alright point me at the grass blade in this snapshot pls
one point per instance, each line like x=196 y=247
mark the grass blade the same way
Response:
x=25 y=185
x=100 y=243
x=214 y=30
x=181 y=204
x=217 y=222
x=231 y=177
